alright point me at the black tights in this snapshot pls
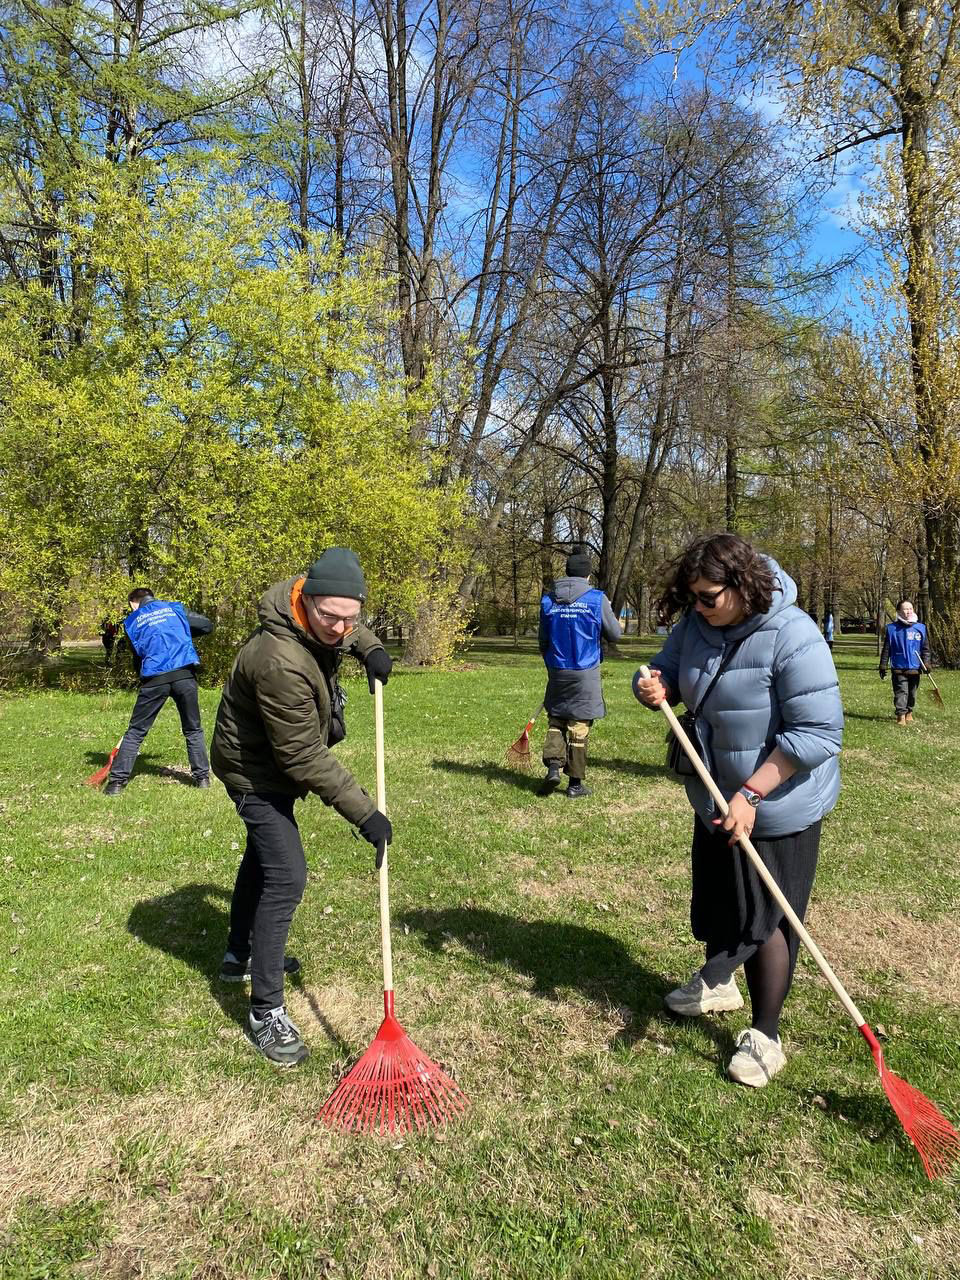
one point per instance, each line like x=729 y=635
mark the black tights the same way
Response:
x=768 y=969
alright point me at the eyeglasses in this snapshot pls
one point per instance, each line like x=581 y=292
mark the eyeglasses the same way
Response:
x=708 y=598
x=334 y=619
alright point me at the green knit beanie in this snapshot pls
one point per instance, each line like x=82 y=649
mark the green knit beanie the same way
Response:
x=336 y=573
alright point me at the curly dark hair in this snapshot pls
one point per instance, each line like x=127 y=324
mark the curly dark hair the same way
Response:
x=718 y=557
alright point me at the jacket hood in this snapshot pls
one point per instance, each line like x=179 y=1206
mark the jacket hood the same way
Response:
x=784 y=596
x=281 y=612
x=566 y=590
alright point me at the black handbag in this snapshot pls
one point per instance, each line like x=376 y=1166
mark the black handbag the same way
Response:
x=678 y=762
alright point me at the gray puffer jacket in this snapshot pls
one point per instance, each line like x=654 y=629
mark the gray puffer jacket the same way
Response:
x=577 y=695
x=779 y=690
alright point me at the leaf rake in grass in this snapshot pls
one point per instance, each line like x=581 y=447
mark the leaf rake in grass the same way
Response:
x=393 y=1087
x=100 y=775
x=934 y=1137
x=518 y=753
x=934 y=693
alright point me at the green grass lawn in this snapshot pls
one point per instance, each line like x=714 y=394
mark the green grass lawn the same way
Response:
x=534 y=939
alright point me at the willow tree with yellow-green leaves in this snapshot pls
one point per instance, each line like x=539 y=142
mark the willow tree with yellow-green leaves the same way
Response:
x=227 y=413
x=858 y=72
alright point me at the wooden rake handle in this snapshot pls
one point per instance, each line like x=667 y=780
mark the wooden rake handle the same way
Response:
x=385 y=943
x=926 y=672
x=704 y=774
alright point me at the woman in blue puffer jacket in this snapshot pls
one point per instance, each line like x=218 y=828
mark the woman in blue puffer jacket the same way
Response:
x=770 y=730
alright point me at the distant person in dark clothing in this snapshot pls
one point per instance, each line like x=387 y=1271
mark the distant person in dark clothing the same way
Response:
x=108 y=638
x=828 y=631
x=160 y=635
x=907 y=651
x=574 y=618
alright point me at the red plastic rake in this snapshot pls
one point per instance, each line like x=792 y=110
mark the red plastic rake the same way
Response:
x=100 y=774
x=518 y=753
x=936 y=1140
x=394 y=1087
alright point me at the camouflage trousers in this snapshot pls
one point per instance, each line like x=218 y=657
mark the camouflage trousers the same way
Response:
x=566 y=744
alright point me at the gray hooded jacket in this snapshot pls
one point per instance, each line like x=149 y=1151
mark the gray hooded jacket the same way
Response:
x=577 y=695
x=780 y=690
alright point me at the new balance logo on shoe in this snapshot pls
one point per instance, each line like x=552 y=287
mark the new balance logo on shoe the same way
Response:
x=277 y=1038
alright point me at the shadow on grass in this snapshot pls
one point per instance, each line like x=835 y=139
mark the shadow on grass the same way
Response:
x=191 y=923
x=860 y=715
x=555 y=955
x=619 y=764
x=533 y=781
x=491 y=772
x=143 y=765
x=871 y=1115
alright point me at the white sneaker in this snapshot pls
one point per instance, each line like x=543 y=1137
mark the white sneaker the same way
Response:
x=695 y=997
x=757 y=1060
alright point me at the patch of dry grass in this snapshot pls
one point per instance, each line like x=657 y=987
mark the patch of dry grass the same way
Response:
x=863 y=936
x=823 y=1233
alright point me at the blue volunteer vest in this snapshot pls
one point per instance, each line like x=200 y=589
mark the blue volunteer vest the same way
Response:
x=160 y=634
x=573 y=631
x=906 y=644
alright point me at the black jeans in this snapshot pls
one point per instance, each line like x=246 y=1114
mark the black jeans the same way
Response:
x=147 y=707
x=270 y=883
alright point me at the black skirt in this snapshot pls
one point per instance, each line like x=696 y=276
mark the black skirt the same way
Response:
x=731 y=906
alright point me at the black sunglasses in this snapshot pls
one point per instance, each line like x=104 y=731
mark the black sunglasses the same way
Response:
x=708 y=598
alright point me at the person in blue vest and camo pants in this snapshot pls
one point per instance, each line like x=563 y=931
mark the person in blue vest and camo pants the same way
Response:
x=907 y=650
x=574 y=619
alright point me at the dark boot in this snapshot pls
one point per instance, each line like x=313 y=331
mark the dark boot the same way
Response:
x=576 y=789
x=113 y=788
x=552 y=780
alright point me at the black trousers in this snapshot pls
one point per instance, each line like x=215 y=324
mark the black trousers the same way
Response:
x=731 y=910
x=270 y=883
x=147 y=707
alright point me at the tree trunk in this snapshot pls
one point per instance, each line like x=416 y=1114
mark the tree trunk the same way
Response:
x=941 y=514
x=731 y=465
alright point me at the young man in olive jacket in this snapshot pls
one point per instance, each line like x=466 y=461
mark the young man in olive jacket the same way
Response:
x=281 y=712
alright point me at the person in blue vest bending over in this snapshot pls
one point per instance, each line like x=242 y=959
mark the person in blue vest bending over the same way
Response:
x=906 y=649
x=160 y=634
x=574 y=618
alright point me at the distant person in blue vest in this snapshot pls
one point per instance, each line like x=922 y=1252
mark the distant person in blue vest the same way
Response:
x=574 y=618
x=907 y=651
x=160 y=634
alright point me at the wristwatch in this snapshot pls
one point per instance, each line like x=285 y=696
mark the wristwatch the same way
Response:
x=752 y=797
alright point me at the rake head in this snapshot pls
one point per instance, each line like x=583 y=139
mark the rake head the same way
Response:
x=393 y=1088
x=101 y=774
x=934 y=693
x=934 y=1137
x=519 y=754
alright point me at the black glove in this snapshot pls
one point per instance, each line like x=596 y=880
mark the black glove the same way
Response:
x=379 y=664
x=883 y=673
x=377 y=830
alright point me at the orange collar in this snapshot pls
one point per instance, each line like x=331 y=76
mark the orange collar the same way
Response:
x=297 y=606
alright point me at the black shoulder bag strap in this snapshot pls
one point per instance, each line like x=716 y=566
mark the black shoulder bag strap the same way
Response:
x=724 y=663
